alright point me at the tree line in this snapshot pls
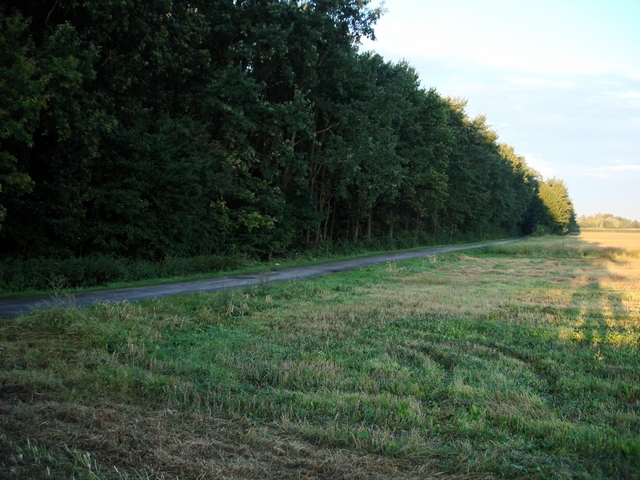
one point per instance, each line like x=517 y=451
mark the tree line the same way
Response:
x=168 y=128
x=606 y=220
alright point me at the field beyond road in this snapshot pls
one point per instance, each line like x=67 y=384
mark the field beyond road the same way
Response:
x=512 y=361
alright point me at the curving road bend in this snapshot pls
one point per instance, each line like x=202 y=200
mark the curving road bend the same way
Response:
x=10 y=308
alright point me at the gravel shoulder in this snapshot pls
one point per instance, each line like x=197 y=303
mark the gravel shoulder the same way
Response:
x=10 y=308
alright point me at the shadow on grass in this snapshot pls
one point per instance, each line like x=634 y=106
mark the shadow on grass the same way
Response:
x=320 y=378
x=593 y=376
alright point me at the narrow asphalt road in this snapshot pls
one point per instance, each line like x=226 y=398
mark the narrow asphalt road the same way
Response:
x=10 y=308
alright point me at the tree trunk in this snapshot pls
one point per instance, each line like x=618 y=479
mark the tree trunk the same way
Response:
x=333 y=219
x=326 y=223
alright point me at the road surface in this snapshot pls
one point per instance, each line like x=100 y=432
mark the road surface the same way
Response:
x=10 y=308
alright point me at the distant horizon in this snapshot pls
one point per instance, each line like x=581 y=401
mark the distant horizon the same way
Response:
x=558 y=81
x=607 y=213
x=594 y=214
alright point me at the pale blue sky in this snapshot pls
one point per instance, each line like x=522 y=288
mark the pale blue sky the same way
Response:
x=559 y=80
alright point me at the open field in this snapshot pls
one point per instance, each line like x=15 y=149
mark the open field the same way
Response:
x=519 y=361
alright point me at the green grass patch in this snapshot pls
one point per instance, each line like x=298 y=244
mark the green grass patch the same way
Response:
x=487 y=364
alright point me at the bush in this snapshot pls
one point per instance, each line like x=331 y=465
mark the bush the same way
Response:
x=47 y=274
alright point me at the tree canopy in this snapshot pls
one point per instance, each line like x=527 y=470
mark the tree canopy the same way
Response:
x=146 y=129
x=606 y=220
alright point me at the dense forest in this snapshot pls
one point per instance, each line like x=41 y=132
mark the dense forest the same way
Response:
x=606 y=220
x=171 y=128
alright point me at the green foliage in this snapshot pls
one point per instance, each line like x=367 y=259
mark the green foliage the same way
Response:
x=153 y=130
x=606 y=220
x=93 y=270
x=560 y=213
x=21 y=99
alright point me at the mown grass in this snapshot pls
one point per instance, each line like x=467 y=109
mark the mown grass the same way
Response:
x=515 y=362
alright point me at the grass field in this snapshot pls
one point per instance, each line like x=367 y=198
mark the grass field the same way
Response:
x=519 y=361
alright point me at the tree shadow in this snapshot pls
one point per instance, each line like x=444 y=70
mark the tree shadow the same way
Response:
x=596 y=382
x=580 y=338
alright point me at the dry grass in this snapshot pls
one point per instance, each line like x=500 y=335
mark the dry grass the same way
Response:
x=520 y=362
x=130 y=442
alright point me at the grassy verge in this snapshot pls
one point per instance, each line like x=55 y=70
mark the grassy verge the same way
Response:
x=519 y=362
x=40 y=277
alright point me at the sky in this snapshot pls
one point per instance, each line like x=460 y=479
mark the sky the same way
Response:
x=559 y=80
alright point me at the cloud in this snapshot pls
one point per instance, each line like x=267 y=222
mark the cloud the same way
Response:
x=519 y=36
x=624 y=167
x=560 y=81
x=545 y=167
x=541 y=82
x=629 y=95
x=609 y=171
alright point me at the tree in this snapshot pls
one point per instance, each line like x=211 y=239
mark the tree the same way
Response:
x=606 y=220
x=524 y=189
x=187 y=127
x=21 y=100
x=555 y=198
